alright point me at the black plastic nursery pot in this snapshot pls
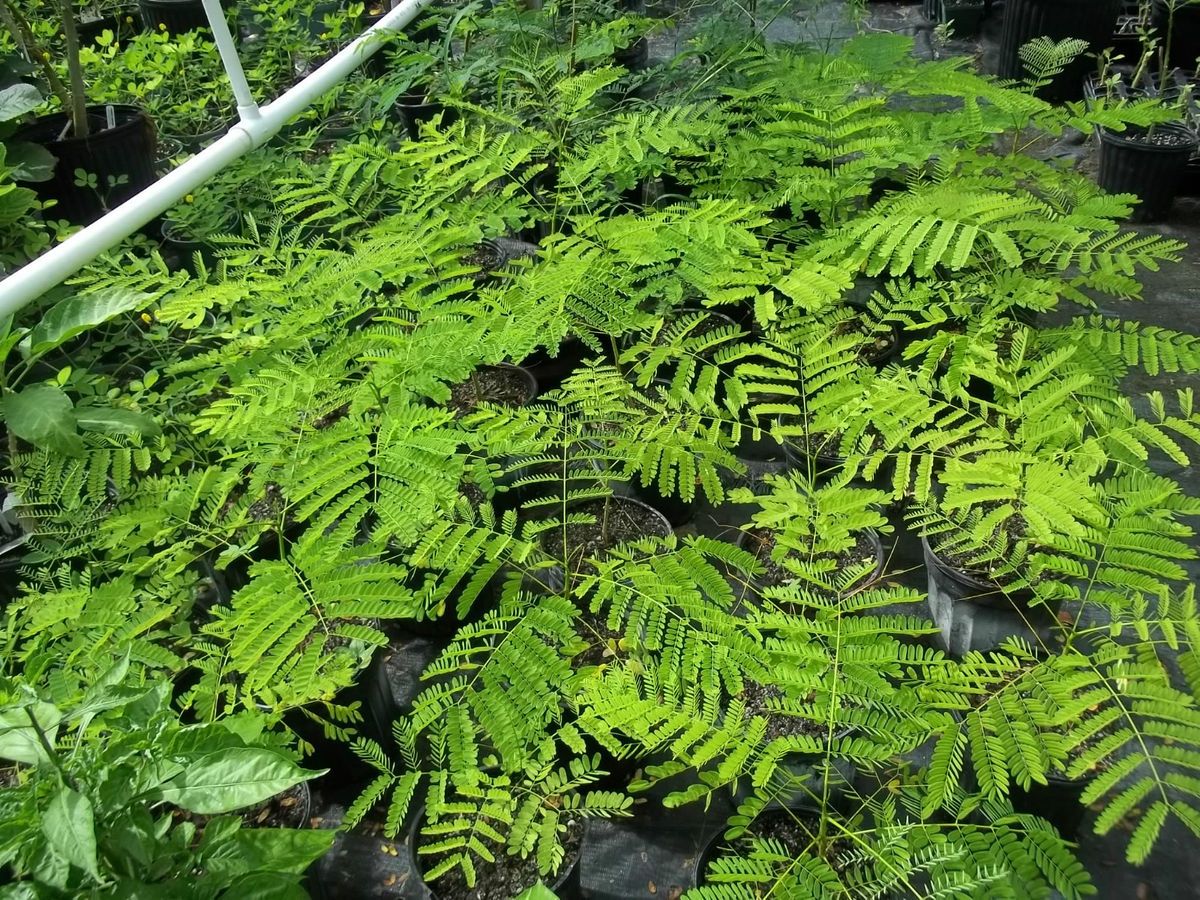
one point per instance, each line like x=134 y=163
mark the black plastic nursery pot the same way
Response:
x=621 y=509
x=180 y=249
x=416 y=109
x=1089 y=20
x=965 y=586
x=825 y=466
x=503 y=384
x=1058 y=802
x=175 y=16
x=1148 y=165
x=373 y=693
x=450 y=619
x=494 y=254
x=123 y=24
x=967 y=17
x=120 y=152
x=551 y=369
x=771 y=823
x=977 y=614
x=450 y=886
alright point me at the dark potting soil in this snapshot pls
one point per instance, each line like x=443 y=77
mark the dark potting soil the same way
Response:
x=621 y=522
x=286 y=810
x=759 y=700
x=969 y=563
x=594 y=628
x=762 y=545
x=1158 y=138
x=473 y=492
x=877 y=345
x=796 y=832
x=499 y=385
x=510 y=875
x=485 y=257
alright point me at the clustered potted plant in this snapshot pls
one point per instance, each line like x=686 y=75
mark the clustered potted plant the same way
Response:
x=105 y=153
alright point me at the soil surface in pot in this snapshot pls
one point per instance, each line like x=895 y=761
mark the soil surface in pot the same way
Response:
x=1161 y=138
x=796 y=832
x=623 y=522
x=877 y=345
x=510 y=875
x=709 y=322
x=759 y=702
x=286 y=810
x=594 y=628
x=499 y=385
x=762 y=544
x=969 y=563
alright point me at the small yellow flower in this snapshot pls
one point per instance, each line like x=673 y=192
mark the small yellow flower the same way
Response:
x=45 y=54
x=189 y=198
x=129 y=20
x=162 y=26
x=147 y=318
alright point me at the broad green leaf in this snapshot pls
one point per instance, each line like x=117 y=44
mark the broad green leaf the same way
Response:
x=29 y=162
x=75 y=315
x=43 y=415
x=70 y=826
x=276 y=849
x=18 y=740
x=114 y=420
x=225 y=780
x=538 y=892
x=17 y=100
x=266 y=886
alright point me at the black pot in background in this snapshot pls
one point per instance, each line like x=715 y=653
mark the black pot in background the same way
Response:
x=1058 y=802
x=796 y=809
x=174 y=16
x=824 y=467
x=1089 y=20
x=962 y=585
x=552 y=369
x=194 y=143
x=1151 y=171
x=373 y=692
x=449 y=622
x=552 y=579
x=415 y=109
x=179 y=250
x=967 y=17
x=124 y=152
x=973 y=614
x=123 y=24
x=635 y=57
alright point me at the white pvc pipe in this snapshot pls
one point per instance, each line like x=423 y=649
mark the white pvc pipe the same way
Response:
x=246 y=106
x=60 y=263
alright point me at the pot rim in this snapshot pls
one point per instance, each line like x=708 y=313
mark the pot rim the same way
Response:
x=972 y=580
x=1120 y=139
x=127 y=116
